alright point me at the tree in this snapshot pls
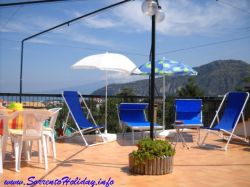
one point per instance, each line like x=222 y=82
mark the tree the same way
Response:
x=190 y=90
x=244 y=85
x=246 y=79
x=124 y=93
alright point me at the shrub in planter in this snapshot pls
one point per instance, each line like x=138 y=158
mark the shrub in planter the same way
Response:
x=153 y=157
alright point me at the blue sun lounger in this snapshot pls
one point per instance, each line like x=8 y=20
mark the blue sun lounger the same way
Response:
x=188 y=115
x=133 y=116
x=234 y=103
x=73 y=101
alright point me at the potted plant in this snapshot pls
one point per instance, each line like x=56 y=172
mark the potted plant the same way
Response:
x=153 y=157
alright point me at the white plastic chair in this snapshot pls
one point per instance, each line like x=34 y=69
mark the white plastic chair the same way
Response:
x=32 y=130
x=1 y=160
x=49 y=132
x=5 y=116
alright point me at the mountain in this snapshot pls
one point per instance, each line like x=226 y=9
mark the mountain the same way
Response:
x=83 y=89
x=214 y=78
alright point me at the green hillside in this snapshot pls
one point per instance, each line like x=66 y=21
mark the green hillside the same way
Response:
x=214 y=78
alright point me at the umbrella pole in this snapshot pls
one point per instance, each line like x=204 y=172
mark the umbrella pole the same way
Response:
x=106 y=104
x=164 y=98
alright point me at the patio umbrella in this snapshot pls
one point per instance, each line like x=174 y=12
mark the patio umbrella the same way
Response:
x=166 y=67
x=107 y=62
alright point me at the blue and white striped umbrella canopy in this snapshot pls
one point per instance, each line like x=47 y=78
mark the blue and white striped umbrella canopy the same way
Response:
x=168 y=68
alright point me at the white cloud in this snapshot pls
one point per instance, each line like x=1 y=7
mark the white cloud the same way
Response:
x=32 y=26
x=96 y=22
x=116 y=77
x=184 y=17
x=187 y=17
x=17 y=27
x=76 y=35
x=87 y=39
x=73 y=33
x=41 y=41
x=131 y=15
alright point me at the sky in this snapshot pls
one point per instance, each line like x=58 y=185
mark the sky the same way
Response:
x=193 y=32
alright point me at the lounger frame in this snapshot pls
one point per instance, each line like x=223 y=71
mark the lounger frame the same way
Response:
x=221 y=132
x=79 y=130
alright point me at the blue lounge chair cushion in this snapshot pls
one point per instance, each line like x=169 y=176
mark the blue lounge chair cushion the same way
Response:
x=188 y=105
x=234 y=104
x=132 y=114
x=72 y=99
x=140 y=124
x=133 y=106
x=188 y=111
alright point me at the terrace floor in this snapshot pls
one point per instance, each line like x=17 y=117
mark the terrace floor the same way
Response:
x=192 y=167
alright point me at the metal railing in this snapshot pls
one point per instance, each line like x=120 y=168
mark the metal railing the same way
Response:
x=96 y=104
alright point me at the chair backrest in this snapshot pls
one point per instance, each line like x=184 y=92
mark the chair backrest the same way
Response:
x=73 y=103
x=188 y=111
x=132 y=112
x=234 y=105
x=33 y=123
x=5 y=117
x=53 y=118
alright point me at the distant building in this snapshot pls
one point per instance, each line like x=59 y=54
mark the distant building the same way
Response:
x=99 y=100
x=34 y=104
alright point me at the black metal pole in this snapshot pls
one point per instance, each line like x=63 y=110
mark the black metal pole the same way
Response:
x=30 y=2
x=21 y=74
x=152 y=82
x=55 y=27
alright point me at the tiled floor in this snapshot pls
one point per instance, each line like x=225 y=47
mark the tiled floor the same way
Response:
x=193 y=167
